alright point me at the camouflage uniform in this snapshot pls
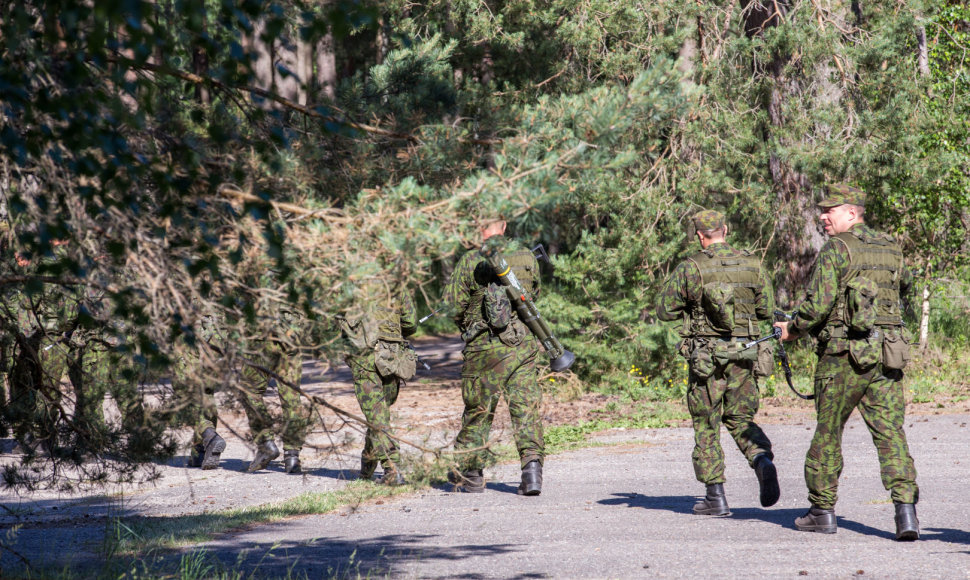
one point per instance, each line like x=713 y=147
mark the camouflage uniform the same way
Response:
x=728 y=391
x=376 y=392
x=841 y=385
x=198 y=401
x=287 y=363
x=497 y=362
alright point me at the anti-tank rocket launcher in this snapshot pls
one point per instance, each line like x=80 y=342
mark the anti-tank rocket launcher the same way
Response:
x=560 y=358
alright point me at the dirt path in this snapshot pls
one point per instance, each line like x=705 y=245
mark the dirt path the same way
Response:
x=71 y=527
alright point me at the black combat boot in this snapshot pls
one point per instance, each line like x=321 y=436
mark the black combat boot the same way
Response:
x=195 y=458
x=291 y=461
x=907 y=526
x=391 y=477
x=367 y=467
x=265 y=452
x=531 y=478
x=471 y=481
x=213 y=445
x=817 y=520
x=767 y=480
x=714 y=503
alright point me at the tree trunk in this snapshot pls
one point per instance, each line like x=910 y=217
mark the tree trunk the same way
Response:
x=796 y=231
x=326 y=73
x=200 y=59
x=924 y=322
x=923 y=55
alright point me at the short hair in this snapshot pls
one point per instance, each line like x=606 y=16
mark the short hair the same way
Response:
x=716 y=232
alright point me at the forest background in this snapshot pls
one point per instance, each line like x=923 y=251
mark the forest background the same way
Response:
x=258 y=163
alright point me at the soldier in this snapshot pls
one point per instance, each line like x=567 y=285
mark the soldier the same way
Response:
x=277 y=357
x=852 y=307
x=721 y=293
x=380 y=360
x=197 y=401
x=500 y=359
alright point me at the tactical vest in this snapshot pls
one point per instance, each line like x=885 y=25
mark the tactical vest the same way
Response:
x=880 y=259
x=740 y=271
x=388 y=319
x=523 y=265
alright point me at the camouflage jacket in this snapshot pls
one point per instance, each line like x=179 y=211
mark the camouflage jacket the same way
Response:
x=822 y=293
x=466 y=292
x=682 y=292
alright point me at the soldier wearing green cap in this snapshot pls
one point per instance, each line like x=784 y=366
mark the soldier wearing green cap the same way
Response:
x=500 y=360
x=852 y=307
x=721 y=294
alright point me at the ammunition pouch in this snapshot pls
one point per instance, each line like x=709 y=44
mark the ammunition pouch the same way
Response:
x=514 y=333
x=895 y=349
x=700 y=358
x=474 y=330
x=395 y=359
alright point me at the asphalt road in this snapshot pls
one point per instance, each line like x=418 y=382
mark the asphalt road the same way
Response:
x=624 y=511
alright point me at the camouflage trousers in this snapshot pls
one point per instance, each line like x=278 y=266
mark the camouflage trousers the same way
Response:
x=195 y=397
x=295 y=418
x=731 y=396
x=839 y=388
x=376 y=394
x=488 y=374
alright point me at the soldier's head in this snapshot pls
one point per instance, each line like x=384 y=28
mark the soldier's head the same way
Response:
x=709 y=226
x=494 y=227
x=843 y=207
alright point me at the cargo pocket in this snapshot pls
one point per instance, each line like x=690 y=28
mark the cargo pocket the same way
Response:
x=866 y=352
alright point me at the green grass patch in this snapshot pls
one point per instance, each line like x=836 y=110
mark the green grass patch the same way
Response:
x=560 y=438
x=137 y=535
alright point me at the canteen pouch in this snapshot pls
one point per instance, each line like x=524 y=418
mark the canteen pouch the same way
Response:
x=895 y=350
x=764 y=366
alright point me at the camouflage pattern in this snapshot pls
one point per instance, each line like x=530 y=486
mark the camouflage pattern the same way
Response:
x=729 y=395
x=841 y=387
x=194 y=389
x=376 y=393
x=878 y=394
x=490 y=373
x=493 y=369
x=842 y=194
x=708 y=219
x=295 y=418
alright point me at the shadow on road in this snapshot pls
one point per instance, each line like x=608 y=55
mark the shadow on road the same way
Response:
x=946 y=535
x=339 y=558
x=681 y=504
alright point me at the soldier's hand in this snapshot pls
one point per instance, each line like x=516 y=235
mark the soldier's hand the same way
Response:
x=785 y=335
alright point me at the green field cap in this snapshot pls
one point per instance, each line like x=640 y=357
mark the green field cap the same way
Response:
x=841 y=194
